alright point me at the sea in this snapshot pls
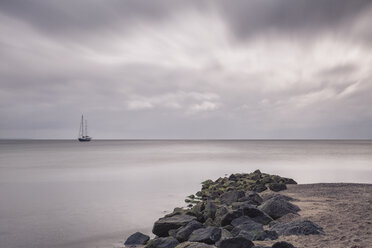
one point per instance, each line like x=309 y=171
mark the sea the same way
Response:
x=62 y=193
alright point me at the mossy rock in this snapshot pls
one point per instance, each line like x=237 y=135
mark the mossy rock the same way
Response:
x=207 y=182
x=191 y=196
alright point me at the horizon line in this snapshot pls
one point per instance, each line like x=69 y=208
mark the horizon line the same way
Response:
x=199 y=139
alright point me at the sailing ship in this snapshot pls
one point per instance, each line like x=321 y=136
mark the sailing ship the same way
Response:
x=83 y=132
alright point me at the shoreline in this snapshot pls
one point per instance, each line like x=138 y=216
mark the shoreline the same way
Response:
x=323 y=203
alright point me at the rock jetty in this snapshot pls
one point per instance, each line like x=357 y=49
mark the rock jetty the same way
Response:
x=231 y=212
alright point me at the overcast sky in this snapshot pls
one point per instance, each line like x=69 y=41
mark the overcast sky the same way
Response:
x=186 y=69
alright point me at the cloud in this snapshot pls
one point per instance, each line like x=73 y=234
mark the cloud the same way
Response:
x=291 y=17
x=186 y=69
x=184 y=101
x=340 y=69
x=138 y=105
x=204 y=106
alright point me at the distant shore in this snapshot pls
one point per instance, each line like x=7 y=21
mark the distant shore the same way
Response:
x=342 y=211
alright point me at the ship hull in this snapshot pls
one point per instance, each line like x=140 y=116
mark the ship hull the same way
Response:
x=85 y=139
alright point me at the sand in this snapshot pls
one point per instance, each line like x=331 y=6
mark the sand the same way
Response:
x=343 y=210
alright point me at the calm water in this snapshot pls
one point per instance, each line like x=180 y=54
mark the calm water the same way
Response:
x=70 y=194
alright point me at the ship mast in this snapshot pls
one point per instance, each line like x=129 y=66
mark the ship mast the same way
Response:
x=86 y=128
x=81 y=134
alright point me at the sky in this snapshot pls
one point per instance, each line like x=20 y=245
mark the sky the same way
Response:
x=139 y=69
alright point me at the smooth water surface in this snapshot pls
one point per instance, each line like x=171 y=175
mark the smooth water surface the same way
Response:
x=71 y=194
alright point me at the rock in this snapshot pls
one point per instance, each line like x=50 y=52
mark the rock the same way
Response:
x=210 y=210
x=297 y=227
x=209 y=222
x=173 y=232
x=257 y=215
x=238 y=242
x=208 y=235
x=225 y=234
x=228 y=227
x=241 y=220
x=285 y=219
x=248 y=225
x=220 y=213
x=168 y=242
x=277 y=208
x=288 y=180
x=259 y=235
x=230 y=216
x=239 y=205
x=245 y=201
x=184 y=232
x=193 y=245
x=163 y=225
x=277 y=187
x=277 y=196
x=259 y=188
x=199 y=207
x=207 y=183
x=197 y=211
x=267 y=179
x=231 y=196
x=232 y=177
x=137 y=239
x=282 y=244
x=251 y=197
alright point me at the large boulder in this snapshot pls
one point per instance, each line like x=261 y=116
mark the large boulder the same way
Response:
x=231 y=196
x=220 y=213
x=276 y=207
x=137 y=239
x=197 y=211
x=168 y=242
x=285 y=219
x=277 y=196
x=259 y=235
x=238 y=205
x=210 y=210
x=208 y=235
x=251 y=197
x=237 y=242
x=257 y=215
x=163 y=225
x=259 y=188
x=297 y=227
x=230 y=216
x=241 y=220
x=276 y=187
x=184 y=232
x=193 y=245
x=245 y=223
x=287 y=180
x=246 y=226
x=282 y=244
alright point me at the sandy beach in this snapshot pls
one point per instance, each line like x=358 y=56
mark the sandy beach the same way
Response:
x=343 y=210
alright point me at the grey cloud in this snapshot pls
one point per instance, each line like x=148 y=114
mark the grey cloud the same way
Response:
x=246 y=19
x=341 y=69
x=86 y=17
x=293 y=17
